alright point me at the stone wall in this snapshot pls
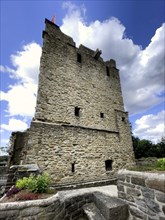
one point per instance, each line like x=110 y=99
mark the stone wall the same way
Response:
x=70 y=205
x=56 y=149
x=58 y=207
x=144 y=192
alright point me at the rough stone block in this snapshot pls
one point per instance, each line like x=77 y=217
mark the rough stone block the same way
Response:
x=31 y=211
x=160 y=197
x=158 y=184
x=128 y=179
x=133 y=192
x=72 y=208
x=137 y=213
x=138 y=181
x=121 y=177
x=111 y=207
x=76 y=214
x=6 y=214
x=120 y=187
x=152 y=205
x=147 y=193
x=92 y=212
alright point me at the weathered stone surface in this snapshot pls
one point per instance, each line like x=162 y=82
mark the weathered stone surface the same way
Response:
x=148 y=193
x=92 y=212
x=31 y=211
x=137 y=213
x=160 y=197
x=133 y=192
x=128 y=179
x=120 y=187
x=111 y=207
x=158 y=184
x=138 y=180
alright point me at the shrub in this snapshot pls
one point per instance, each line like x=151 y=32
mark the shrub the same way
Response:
x=38 y=184
x=12 y=191
x=161 y=164
x=42 y=183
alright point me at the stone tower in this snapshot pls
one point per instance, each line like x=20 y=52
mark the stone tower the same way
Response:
x=80 y=131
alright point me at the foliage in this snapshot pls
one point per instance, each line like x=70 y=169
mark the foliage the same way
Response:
x=38 y=184
x=3 y=158
x=161 y=164
x=145 y=148
x=27 y=196
x=12 y=191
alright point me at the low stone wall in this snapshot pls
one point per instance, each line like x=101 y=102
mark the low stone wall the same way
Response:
x=144 y=192
x=58 y=207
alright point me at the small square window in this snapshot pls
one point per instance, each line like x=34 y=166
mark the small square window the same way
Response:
x=101 y=115
x=123 y=119
x=77 y=111
x=78 y=57
x=108 y=165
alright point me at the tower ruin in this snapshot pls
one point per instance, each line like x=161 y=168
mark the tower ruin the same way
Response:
x=80 y=131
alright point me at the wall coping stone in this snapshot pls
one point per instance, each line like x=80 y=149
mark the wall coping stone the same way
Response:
x=146 y=175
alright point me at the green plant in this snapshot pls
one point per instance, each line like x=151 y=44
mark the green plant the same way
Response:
x=22 y=183
x=42 y=183
x=37 y=184
x=161 y=164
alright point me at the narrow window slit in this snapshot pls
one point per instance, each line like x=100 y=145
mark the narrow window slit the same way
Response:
x=77 y=111
x=73 y=167
x=107 y=70
x=78 y=57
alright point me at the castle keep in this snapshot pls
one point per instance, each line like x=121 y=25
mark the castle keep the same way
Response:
x=80 y=131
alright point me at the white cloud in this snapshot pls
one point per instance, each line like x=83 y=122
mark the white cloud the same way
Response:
x=141 y=70
x=15 y=125
x=21 y=97
x=150 y=127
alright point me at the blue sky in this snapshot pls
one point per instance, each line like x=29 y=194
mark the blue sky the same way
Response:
x=131 y=32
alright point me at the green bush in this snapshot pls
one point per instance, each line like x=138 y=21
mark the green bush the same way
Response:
x=37 y=184
x=161 y=164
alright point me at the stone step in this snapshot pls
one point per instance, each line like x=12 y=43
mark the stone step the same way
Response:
x=92 y=212
x=111 y=208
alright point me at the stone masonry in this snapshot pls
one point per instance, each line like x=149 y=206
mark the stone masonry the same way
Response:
x=144 y=193
x=80 y=131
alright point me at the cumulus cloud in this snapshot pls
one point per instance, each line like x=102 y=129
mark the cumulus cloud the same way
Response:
x=150 y=127
x=21 y=97
x=14 y=125
x=141 y=70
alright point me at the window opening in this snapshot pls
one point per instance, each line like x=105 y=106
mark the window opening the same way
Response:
x=77 y=111
x=108 y=165
x=79 y=57
x=73 y=167
x=123 y=118
x=101 y=115
x=107 y=70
